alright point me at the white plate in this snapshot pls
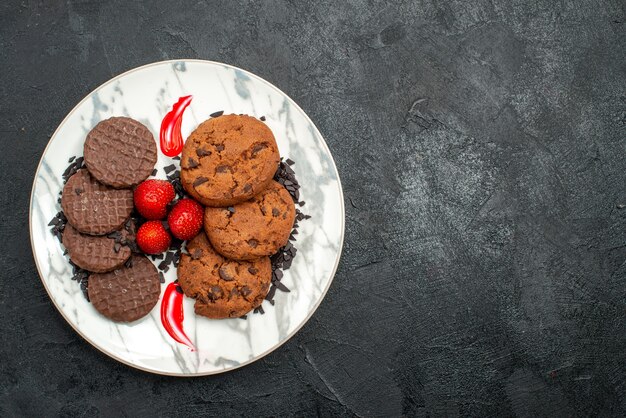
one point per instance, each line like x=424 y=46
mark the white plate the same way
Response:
x=147 y=94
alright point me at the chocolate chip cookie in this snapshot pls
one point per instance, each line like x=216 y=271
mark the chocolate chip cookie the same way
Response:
x=97 y=254
x=222 y=288
x=93 y=208
x=120 y=152
x=256 y=228
x=228 y=159
x=128 y=293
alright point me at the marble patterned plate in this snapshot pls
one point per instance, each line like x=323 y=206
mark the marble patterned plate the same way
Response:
x=146 y=94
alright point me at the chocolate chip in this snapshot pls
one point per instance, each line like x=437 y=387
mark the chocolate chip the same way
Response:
x=275 y=212
x=179 y=290
x=252 y=270
x=245 y=291
x=154 y=172
x=71 y=159
x=247 y=187
x=192 y=163
x=219 y=147
x=161 y=277
x=225 y=276
x=168 y=169
x=253 y=243
x=234 y=292
x=223 y=168
x=257 y=148
x=201 y=152
x=196 y=253
x=301 y=203
x=217 y=114
x=262 y=118
x=199 y=181
x=215 y=292
x=177 y=158
x=289 y=161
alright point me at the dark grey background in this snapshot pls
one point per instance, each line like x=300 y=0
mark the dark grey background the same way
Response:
x=481 y=148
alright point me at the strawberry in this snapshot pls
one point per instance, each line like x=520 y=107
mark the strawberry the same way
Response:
x=151 y=198
x=153 y=238
x=185 y=219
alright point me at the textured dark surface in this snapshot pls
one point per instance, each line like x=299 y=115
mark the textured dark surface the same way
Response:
x=481 y=147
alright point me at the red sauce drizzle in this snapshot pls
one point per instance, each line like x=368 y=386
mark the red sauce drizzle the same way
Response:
x=170 y=136
x=172 y=314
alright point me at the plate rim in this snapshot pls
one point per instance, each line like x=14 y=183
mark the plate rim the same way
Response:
x=266 y=352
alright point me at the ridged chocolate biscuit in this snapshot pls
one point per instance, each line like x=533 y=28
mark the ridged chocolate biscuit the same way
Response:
x=228 y=159
x=128 y=293
x=222 y=288
x=97 y=254
x=120 y=152
x=93 y=208
x=252 y=229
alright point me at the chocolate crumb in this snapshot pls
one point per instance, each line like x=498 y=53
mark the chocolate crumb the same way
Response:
x=253 y=243
x=252 y=270
x=262 y=118
x=180 y=290
x=161 y=277
x=168 y=169
x=219 y=147
x=154 y=172
x=217 y=114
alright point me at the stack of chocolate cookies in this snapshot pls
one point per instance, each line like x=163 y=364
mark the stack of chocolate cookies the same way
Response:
x=228 y=164
x=97 y=201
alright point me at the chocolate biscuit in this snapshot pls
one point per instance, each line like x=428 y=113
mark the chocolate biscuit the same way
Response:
x=93 y=208
x=97 y=254
x=120 y=152
x=128 y=293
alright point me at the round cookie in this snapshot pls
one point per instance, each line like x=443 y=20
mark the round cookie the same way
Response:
x=256 y=228
x=228 y=159
x=97 y=254
x=93 y=208
x=128 y=293
x=120 y=152
x=222 y=288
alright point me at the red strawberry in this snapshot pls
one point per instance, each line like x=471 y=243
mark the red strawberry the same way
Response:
x=185 y=219
x=151 y=198
x=153 y=238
